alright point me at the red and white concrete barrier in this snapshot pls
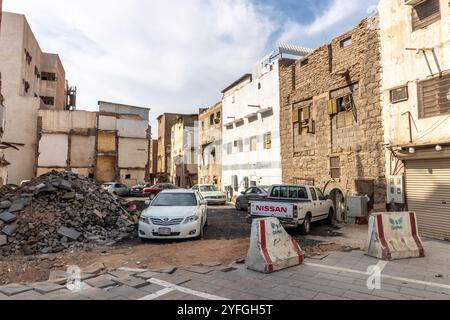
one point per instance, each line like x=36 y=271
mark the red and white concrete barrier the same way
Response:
x=272 y=248
x=394 y=236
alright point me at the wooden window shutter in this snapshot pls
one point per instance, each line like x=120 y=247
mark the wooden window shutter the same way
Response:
x=295 y=117
x=433 y=97
x=425 y=14
x=306 y=113
x=332 y=106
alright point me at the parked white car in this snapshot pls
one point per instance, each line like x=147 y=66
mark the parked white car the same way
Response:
x=211 y=194
x=296 y=206
x=174 y=214
x=117 y=188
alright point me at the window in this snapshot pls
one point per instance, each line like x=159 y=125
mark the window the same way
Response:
x=304 y=62
x=425 y=13
x=302 y=193
x=346 y=42
x=48 y=76
x=313 y=194
x=36 y=72
x=211 y=120
x=320 y=194
x=345 y=107
x=229 y=148
x=26 y=85
x=434 y=97
x=218 y=115
x=48 y=101
x=203 y=125
x=128 y=176
x=335 y=167
x=28 y=57
x=239 y=145
x=293 y=193
x=253 y=143
x=268 y=141
x=399 y=94
x=301 y=115
x=259 y=86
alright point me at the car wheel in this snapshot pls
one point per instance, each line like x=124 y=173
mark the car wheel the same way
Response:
x=305 y=228
x=238 y=205
x=330 y=218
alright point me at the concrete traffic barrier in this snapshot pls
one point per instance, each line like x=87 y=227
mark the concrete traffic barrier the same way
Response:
x=271 y=247
x=394 y=236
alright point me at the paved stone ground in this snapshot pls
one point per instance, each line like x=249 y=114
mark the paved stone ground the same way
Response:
x=338 y=276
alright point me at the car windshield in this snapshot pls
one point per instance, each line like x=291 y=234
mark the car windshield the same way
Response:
x=208 y=189
x=175 y=200
x=266 y=189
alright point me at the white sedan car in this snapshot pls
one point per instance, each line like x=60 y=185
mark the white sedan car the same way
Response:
x=211 y=194
x=174 y=214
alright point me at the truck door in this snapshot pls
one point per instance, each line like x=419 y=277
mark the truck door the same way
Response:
x=322 y=202
x=316 y=212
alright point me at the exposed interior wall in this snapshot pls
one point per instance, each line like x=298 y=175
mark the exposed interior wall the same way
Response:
x=53 y=150
x=66 y=121
x=107 y=123
x=133 y=153
x=106 y=169
x=106 y=142
x=132 y=177
x=82 y=151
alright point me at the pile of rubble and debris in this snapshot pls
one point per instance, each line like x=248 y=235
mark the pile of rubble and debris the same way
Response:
x=59 y=211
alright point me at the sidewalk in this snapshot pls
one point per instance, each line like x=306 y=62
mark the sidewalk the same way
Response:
x=338 y=276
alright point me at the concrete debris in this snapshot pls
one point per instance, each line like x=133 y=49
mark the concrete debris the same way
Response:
x=3 y=240
x=61 y=211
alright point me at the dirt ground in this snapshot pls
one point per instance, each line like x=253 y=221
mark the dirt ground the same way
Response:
x=226 y=241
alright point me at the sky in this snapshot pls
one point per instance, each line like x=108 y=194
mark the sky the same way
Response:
x=175 y=55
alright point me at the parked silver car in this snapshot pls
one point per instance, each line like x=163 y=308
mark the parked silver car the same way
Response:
x=117 y=188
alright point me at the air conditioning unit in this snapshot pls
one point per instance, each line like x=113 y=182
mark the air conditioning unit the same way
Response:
x=413 y=2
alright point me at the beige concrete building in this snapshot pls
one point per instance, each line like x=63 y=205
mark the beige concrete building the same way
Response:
x=184 y=165
x=210 y=140
x=164 y=162
x=32 y=80
x=107 y=146
x=415 y=55
x=331 y=118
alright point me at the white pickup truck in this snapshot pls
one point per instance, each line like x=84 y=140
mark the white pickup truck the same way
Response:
x=296 y=206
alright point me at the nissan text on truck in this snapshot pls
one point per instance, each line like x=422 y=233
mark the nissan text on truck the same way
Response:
x=296 y=206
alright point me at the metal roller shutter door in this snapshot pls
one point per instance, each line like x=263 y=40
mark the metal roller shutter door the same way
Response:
x=428 y=194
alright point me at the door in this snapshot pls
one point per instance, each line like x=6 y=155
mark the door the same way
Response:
x=316 y=211
x=428 y=194
x=322 y=203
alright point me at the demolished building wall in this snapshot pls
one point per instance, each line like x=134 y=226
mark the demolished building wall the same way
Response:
x=331 y=118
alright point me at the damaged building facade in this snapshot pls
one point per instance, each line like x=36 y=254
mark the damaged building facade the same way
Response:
x=164 y=164
x=210 y=140
x=3 y=162
x=113 y=144
x=184 y=148
x=415 y=56
x=331 y=118
x=32 y=80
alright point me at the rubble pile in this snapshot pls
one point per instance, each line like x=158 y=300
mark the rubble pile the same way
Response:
x=59 y=211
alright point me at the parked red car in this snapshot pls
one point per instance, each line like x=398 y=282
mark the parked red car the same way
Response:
x=153 y=191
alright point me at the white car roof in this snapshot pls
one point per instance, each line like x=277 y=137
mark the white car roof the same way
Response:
x=178 y=191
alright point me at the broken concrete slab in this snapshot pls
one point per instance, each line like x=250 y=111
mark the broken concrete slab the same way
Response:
x=133 y=270
x=46 y=287
x=58 y=274
x=168 y=270
x=9 y=229
x=121 y=274
x=16 y=206
x=5 y=204
x=101 y=282
x=132 y=282
x=13 y=289
x=128 y=293
x=146 y=275
x=69 y=233
x=7 y=217
x=199 y=270
x=173 y=279
x=3 y=240
x=65 y=185
x=68 y=196
x=95 y=268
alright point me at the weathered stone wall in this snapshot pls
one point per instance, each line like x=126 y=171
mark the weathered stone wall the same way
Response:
x=314 y=81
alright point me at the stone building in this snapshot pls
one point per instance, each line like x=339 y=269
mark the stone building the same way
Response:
x=164 y=163
x=184 y=148
x=210 y=140
x=331 y=118
x=110 y=145
x=3 y=162
x=415 y=54
x=32 y=80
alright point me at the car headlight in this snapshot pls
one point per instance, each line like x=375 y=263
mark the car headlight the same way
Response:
x=144 y=220
x=191 y=219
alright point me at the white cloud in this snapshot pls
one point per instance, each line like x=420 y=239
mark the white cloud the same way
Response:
x=173 y=56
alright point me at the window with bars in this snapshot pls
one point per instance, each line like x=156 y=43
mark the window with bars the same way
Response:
x=48 y=76
x=48 y=101
x=434 y=97
x=425 y=13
